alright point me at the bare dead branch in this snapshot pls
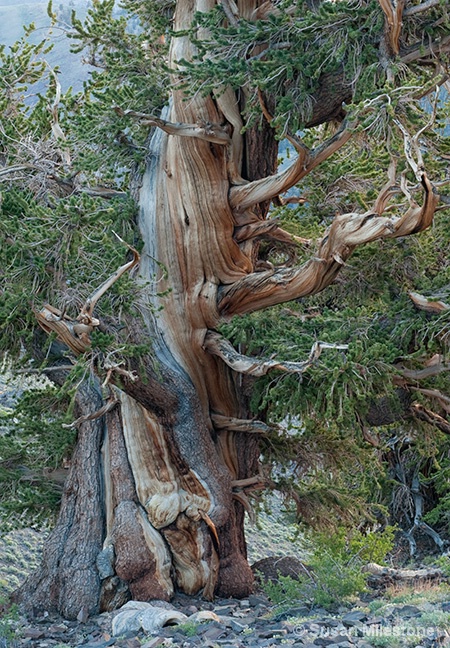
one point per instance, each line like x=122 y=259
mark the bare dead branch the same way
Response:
x=103 y=192
x=266 y=9
x=428 y=304
x=107 y=407
x=85 y=315
x=411 y=575
x=217 y=345
x=17 y=168
x=256 y=480
x=444 y=401
x=76 y=333
x=205 y=131
x=51 y=320
x=231 y=11
x=422 y=50
x=56 y=127
x=244 y=196
x=411 y=11
x=242 y=498
x=393 y=10
x=421 y=374
x=231 y=424
x=428 y=416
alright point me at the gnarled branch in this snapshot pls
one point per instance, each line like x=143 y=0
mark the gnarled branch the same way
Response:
x=75 y=334
x=258 y=191
x=217 y=345
x=262 y=289
x=213 y=133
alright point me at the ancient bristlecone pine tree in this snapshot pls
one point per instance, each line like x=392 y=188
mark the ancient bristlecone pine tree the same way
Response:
x=159 y=483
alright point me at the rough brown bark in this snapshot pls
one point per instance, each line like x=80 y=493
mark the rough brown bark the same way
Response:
x=68 y=579
x=179 y=437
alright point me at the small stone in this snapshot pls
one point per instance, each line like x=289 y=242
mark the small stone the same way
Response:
x=215 y=633
x=224 y=611
x=237 y=626
x=408 y=612
x=248 y=621
x=445 y=606
x=83 y=614
x=254 y=600
x=58 y=628
x=153 y=643
x=274 y=632
x=355 y=618
x=245 y=603
x=326 y=641
x=132 y=643
x=32 y=633
x=328 y=623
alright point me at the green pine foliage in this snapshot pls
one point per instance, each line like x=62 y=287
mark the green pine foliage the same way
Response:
x=57 y=240
x=333 y=576
x=33 y=444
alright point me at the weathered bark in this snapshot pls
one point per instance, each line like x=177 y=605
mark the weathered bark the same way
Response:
x=155 y=500
x=68 y=579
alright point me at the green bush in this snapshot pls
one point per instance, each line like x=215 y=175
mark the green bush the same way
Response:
x=335 y=569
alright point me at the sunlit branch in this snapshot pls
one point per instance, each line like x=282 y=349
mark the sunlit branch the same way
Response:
x=428 y=304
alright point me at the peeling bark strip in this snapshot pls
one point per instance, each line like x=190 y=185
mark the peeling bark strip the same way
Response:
x=393 y=10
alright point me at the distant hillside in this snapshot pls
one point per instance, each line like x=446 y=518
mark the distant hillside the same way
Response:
x=14 y=14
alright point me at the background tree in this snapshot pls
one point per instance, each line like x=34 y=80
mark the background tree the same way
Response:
x=168 y=448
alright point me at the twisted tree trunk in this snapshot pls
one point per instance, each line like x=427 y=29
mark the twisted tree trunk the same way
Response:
x=156 y=495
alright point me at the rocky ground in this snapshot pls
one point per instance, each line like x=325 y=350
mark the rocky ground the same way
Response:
x=412 y=616
x=229 y=623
